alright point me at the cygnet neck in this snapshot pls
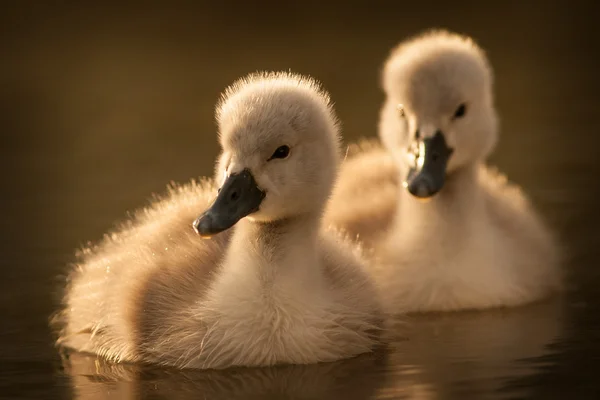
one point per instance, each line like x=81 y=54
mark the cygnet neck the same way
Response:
x=284 y=250
x=269 y=233
x=454 y=205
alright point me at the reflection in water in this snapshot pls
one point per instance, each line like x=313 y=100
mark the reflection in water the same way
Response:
x=446 y=355
x=96 y=379
x=471 y=353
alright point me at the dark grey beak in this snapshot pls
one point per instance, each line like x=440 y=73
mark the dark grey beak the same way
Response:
x=426 y=180
x=238 y=197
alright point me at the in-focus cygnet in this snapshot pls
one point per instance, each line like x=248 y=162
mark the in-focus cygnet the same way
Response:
x=273 y=289
x=458 y=235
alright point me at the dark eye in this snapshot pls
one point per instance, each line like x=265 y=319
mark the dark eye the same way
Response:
x=460 y=111
x=281 y=152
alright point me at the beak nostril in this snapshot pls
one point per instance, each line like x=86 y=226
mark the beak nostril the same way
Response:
x=234 y=195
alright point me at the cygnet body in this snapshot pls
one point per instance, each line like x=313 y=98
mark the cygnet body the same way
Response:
x=456 y=235
x=269 y=287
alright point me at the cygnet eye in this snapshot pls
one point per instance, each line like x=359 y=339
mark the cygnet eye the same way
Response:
x=400 y=108
x=281 y=152
x=460 y=111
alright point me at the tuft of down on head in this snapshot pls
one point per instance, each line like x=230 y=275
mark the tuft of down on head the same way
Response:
x=440 y=81
x=283 y=128
x=435 y=53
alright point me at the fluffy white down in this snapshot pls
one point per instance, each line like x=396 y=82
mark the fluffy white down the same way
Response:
x=274 y=291
x=476 y=244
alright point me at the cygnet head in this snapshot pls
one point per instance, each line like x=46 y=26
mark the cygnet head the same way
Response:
x=280 y=151
x=439 y=113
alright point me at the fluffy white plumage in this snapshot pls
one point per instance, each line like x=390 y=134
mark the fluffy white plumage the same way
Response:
x=274 y=289
x=478 y=243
